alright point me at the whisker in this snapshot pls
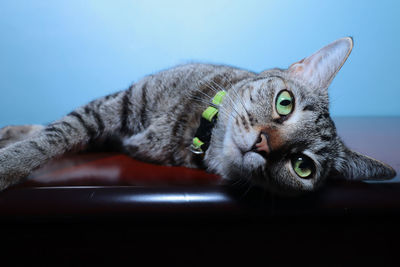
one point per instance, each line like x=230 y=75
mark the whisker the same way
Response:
x=221 y=111
x=238 y=182
x=220 y=87
x=238 y=97
x=236 y=93
x=231 y=100
x=231 y=103
x=250 y=186
x=201 y=92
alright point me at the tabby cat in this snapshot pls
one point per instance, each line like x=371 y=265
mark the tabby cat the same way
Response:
x=271 y=128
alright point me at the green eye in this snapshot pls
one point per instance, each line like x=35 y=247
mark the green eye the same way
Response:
x=284 y=103
x=303 y=166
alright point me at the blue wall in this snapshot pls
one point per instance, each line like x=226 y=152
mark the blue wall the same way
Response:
x=58 y=55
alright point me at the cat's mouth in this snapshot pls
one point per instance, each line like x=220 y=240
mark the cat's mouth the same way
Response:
x=256 y=155
x=260 y=146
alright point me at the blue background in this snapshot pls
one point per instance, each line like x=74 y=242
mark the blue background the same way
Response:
x=58 y=55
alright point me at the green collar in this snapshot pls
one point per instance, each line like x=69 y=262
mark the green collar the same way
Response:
x=202 y=138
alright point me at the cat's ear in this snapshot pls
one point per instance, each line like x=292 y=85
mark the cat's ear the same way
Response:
x=355 y=166
x=319 y=69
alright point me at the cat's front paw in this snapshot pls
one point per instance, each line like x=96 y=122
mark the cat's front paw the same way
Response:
x=12 y=134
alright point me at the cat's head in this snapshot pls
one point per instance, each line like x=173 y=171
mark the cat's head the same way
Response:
x=275 y=129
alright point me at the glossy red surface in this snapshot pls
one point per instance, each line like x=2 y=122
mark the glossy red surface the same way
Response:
x=115 y=170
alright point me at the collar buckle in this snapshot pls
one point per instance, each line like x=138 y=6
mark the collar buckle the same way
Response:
x=195 y=150
x=195 y=147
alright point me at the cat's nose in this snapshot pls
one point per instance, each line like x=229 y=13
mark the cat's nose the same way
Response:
x=270 y=139
x=262 y=145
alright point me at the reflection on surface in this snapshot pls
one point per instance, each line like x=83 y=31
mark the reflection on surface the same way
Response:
x=203 y=197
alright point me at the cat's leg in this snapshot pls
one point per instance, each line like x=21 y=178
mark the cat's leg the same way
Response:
x=147 y=145
x=111 y=115
x=157 y=145
x=12 y=134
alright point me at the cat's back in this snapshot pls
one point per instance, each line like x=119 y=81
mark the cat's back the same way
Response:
x=192 y=73
x=193 y=70
x=174 y=84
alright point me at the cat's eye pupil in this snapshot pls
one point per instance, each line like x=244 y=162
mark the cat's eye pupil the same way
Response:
x=303 y=166
x=284 y=103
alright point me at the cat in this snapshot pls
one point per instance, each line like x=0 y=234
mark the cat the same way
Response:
x=271 y=128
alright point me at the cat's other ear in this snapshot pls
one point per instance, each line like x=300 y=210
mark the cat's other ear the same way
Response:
x=319 y=69
x=355 y=166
